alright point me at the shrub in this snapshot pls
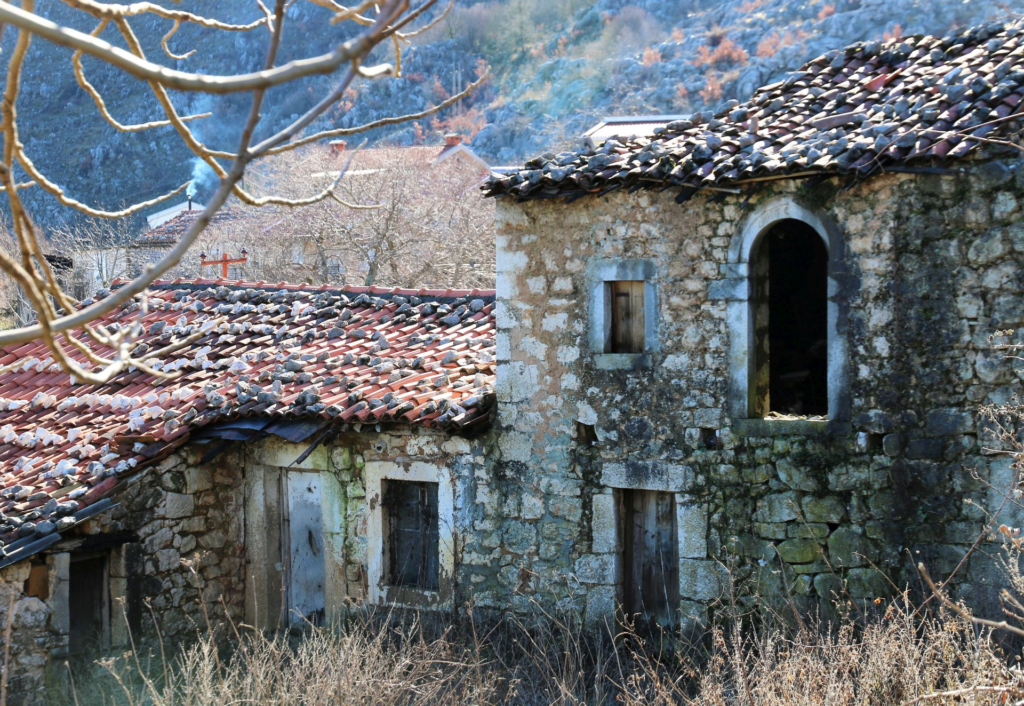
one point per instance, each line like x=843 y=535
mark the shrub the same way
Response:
x=712 y=90
x=726 y=53
x=773 y=42
x=895 y=33
x=650 y=57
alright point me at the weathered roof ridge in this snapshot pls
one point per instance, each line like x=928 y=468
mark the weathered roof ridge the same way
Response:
x=866 y=108
x=371 y=290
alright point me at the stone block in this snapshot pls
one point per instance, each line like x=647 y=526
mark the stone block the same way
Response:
x=828 y=587
x=604 y=524
x=947 y=422
x=826 y=509
x=987 y=248
x=167 y=559
x=925 y=449
x=892 y=444
x=702 y=580
x=848 y=547
x=595 y=569
x=813 y=530
x=641 y=475
x=758 y=474
x=867 y=583
x=197 y=479
x=770 y=530
x=177 y=505
x=519 y=537
x=692 y=525
x=798 y=477
x=798 y=551
x=875 y=421
x=777 y=507
x=732 y=289
x=600 y=604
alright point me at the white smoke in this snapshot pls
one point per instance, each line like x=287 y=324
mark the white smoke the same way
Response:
x=202 y=177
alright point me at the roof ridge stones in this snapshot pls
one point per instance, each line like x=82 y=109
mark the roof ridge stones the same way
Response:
x=850 y=111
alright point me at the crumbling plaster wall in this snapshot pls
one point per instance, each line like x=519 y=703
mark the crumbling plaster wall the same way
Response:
x=932 y=266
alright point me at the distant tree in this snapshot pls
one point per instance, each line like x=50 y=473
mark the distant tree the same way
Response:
x=359 y=31
x=417 y=222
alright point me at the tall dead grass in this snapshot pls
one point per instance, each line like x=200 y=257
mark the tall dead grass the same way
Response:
x=896 y=657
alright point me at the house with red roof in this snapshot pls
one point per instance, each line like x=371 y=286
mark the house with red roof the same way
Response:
x=736 y=354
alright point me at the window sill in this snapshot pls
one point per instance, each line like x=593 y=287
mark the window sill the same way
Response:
x=788 y=427
x=622 y=361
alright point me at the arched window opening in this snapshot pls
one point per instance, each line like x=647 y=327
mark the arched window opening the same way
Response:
x=790 y=302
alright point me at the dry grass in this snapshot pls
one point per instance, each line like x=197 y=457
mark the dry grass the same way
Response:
x=893 y=658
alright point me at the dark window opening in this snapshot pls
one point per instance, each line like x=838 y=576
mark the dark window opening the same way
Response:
x=626 y=323
x=709 y=438
x=586 y=435
x=88 y=604
x=872 y=442
x=411 y=534
x=650 y=556
x=790 y=298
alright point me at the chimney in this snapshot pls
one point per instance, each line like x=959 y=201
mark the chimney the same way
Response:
x=190 y=202
x=337 y=146
x=452 y=139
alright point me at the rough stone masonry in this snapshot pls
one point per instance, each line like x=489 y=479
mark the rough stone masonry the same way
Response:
x=923 y=271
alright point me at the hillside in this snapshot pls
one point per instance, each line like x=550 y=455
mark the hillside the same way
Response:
x=557 y=66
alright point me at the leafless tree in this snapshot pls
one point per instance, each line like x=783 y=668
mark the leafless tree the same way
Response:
x=70 y=332
x=419 y=220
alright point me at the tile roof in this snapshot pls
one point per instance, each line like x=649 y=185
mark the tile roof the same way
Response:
x=852 y=111
x=355 y=355
x=170 y=232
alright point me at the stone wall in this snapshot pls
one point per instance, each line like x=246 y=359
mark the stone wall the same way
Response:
x=351 y=469
x=925 y=269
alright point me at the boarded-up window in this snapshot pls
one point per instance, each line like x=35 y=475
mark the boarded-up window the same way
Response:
x=88 y=604
x=38 y=583
x=626 y=323
x=650 y=555
x=411 y=534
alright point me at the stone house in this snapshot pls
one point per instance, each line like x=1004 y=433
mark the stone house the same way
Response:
x=760 y=337
x=749 y=348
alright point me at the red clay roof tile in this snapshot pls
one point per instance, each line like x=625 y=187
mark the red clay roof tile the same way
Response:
x=268 y=351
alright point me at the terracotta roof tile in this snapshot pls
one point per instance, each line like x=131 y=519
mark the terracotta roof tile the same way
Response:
x=283 y=350
x=870 y=106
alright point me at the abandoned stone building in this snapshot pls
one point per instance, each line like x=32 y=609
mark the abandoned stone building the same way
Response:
x=751 y=347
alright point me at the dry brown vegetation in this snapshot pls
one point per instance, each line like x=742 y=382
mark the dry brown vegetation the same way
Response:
x=757 y=659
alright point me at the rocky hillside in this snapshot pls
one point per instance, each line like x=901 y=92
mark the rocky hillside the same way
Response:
x=557 y=67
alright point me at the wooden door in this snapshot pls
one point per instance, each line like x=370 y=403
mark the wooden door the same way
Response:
x=305 y=545
x=627 y=326
x=650 y=556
